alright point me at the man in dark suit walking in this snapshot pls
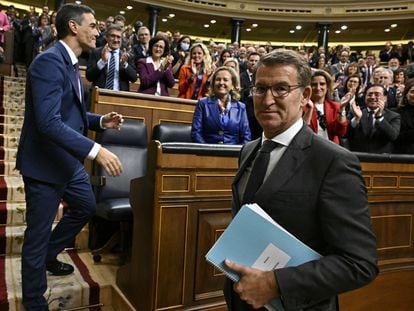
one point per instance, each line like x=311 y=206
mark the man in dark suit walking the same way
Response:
x=53 y=146
x=99 y=64
x=306 y=189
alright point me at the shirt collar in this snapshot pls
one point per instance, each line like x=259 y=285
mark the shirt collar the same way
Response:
x=287 y=136
x=72 y=55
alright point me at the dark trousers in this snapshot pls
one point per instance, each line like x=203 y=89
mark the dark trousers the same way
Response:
x=41 y=244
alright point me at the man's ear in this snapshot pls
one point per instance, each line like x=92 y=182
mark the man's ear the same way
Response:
x=306 y=95
x=73 y=26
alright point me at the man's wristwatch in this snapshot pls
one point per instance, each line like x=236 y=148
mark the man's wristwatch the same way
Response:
x=378 y=117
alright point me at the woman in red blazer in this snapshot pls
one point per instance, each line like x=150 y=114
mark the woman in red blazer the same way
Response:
x=325 y=117
x=193 y=81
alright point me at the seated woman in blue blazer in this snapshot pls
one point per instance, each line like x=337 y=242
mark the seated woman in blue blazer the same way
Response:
x=221 y=118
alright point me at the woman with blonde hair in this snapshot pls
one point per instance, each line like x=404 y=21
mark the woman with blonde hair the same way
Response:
x=221 y=118
x=194 y=75
x=232 y=63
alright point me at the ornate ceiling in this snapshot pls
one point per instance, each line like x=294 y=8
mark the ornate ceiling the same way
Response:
x=366 y=20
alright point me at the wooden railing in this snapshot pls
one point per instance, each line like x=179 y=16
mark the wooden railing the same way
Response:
x=151 y=109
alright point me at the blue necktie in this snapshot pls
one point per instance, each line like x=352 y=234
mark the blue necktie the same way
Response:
x=78 y=79
x=259 y=169
x=111 y=72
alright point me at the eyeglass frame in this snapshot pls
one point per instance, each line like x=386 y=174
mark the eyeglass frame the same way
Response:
x=291 y=89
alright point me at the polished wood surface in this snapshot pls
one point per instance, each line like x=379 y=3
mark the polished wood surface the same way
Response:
x=180 y=208
x=183 y=204
x=391 y=197
x=151 y=109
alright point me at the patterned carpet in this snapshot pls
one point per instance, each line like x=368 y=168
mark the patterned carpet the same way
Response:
x=76 y=290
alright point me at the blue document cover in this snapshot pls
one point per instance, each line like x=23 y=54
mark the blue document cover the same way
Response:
x=254 y=239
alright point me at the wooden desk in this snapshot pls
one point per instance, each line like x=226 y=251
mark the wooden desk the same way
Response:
x=151 y=109
x=184 y=203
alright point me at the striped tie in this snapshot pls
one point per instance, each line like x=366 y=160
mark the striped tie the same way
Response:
x=111 y=72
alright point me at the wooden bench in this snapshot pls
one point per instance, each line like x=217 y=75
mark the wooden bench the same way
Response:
x=183 y=204
x=151 y=109
x=133 y=87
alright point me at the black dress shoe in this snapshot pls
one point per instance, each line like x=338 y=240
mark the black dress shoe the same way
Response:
x=57 y=267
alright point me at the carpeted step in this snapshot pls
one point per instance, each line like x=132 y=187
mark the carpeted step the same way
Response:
x=82 y=288
x=15 y=120
x=11 y=189
x=9 y=140
x=8 y=154
x=17 y=112
x=10 y=129
x=13 y=214
x=8 y=168
x=11 y=239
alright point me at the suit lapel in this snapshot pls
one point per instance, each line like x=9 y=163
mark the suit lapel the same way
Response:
x=73 y=79
x=248 y=151
x=290 y=161
x=214 y=111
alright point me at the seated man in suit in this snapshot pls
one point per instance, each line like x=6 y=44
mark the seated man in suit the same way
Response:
x=109 y=67
x=52 y=148
x=305 y=175
x=373 y=128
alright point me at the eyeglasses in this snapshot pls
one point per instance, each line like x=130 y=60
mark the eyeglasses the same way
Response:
x=375 y=94
x=278 y=90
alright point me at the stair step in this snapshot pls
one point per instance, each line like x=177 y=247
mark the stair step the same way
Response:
x=19 y=112
x=10 y=128
x=8 y=154
x=13 y=214
x=8 y=168
x=11 y=239
x=16 y=120
x=82 y=288
x=9 y=140
x=11 y=189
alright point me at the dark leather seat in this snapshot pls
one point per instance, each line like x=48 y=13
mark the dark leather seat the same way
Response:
x=112 y=193
x=168 y=132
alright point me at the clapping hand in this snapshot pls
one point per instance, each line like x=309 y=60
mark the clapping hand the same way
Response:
x=124 y=56
x=356 y=110
x=105 y=53
x=112 y=120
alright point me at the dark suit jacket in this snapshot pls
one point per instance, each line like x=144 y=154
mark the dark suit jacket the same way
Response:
x=98 y=76
x=53 y=139
x=139 y=52
x=149 y=77
x=245 y=82
x=392 y=101
x=308 y=193
x=405 y=142
x=207 y=127
x=382 y=137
